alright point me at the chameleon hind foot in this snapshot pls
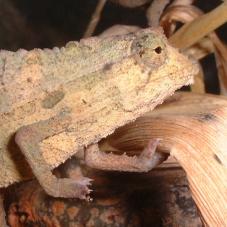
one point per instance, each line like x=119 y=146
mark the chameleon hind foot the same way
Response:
x=146 y=161
x=28 y=139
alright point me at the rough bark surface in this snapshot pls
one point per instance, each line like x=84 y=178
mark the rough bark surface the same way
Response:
x=161 y=197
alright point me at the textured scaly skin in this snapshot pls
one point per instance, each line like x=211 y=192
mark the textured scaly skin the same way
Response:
x=62 y=100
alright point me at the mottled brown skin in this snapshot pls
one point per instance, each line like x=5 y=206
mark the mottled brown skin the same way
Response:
x=54 y=103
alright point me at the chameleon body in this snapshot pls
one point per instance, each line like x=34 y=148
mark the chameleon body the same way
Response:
x=56 y=102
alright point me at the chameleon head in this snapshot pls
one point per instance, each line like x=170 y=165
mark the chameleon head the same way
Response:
x=154 y=71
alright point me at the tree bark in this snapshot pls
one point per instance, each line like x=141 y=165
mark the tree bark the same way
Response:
x=161 y=197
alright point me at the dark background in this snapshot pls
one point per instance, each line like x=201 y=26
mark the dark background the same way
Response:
x=32 y=24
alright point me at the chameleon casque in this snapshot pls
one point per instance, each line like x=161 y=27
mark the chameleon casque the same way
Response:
x=56 y=102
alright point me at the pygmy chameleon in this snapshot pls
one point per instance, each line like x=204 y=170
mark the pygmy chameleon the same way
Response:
x=56 y=102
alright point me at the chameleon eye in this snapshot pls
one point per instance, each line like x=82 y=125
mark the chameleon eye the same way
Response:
x=158 y=50
x=149 y=50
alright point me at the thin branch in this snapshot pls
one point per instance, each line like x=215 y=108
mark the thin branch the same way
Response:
x=95 y=19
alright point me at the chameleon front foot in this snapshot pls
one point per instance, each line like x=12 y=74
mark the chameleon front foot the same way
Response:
x=146 y=161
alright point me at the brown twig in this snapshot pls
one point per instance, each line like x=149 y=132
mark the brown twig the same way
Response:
x=183 y=38
x=131 y=3
x=155 y=11
x=94 y=19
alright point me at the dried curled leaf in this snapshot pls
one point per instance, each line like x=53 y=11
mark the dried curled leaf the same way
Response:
x=221 y=60
x=193 y=128
x=178 y=13
x=189 y=37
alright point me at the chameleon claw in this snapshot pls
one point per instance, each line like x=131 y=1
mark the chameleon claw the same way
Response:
x=149 y=158
x=86 y=181
x=89 y=199
x=150 y=149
